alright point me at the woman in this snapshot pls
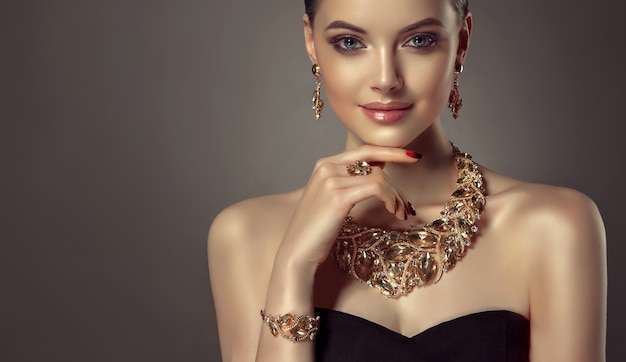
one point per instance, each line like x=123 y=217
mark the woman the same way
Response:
x=374 y=249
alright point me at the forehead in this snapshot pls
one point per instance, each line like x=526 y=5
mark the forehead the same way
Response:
x=384 y=14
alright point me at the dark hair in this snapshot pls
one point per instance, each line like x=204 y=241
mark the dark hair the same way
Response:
x=461 y=6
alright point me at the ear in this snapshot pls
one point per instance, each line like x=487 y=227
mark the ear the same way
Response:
x=465 y=34
x=308 y=38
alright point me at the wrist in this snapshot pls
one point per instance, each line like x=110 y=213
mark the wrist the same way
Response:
x=291 y=286
x=293 y=328
x=297 y=265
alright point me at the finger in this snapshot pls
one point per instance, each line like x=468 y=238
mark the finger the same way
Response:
x=367 y=187
x=400 y=208
x=378 y=154
x=333 y=178
x=406 y=209
x=391 y=200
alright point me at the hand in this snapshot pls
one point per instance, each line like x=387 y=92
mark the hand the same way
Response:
x=329 y=196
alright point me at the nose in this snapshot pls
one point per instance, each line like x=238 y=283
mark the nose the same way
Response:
x=386 y=77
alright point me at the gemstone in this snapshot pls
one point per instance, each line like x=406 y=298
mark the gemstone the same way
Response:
x=468 y=217
x=285 y=319
x=384 y=286
x=478 y=203
x=426 y=267
x=274 y=329
x=395 y=262
x=423 y=238
x=464 y=235
x=395 y=270
x=363 y=265
x=368 y=240
x=345 y=261
x=456 y=205
x=462 y=193
x=300 y=332
x=302 y=329
x=441 y=225
x=464 y=224
x=459 y=250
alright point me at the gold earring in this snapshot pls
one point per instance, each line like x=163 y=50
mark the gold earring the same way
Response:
x=318 y=102
x=455 y=102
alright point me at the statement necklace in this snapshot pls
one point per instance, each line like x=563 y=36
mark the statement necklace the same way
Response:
x=394 y=262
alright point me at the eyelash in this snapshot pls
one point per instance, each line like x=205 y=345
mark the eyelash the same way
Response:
x=430 y=38
x=339 y=45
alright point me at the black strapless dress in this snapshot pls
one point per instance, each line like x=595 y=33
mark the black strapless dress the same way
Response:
x=498 y=335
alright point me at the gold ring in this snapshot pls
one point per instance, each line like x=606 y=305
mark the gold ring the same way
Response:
x=359 y=168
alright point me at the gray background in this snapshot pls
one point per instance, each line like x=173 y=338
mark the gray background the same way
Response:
x=127 y=125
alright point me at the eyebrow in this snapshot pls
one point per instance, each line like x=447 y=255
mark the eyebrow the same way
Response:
x=340 y=24
x=421 y=23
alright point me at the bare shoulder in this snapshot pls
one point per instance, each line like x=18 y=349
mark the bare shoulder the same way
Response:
x=242 y=243
x=546 y=212
x=249 y=231
x=242 y=221
x=557 y=234
x=545 y=223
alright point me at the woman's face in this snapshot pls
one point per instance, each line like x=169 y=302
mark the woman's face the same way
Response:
x=387 y=66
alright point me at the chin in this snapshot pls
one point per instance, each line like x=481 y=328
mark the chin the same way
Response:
x=397 y=138
x=389 y=142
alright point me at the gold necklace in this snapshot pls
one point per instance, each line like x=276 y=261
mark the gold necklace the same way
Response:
x=394 y=262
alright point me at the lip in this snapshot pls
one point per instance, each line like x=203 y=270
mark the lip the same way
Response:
x=385 y=113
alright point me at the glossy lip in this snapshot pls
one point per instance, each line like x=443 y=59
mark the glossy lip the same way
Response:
x=385 y=113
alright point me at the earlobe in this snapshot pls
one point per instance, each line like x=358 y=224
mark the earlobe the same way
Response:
x=308 y=38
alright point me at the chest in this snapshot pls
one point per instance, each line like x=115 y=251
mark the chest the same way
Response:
x=490 y=276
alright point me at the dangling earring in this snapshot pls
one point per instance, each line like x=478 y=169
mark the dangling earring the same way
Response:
x=318 y=102
x=454 y=102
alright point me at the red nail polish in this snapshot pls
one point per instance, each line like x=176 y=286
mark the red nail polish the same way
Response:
x=414 y=154
x=412 y=209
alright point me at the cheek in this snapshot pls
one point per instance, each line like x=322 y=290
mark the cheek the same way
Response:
x=343 y=82
x=429 y=80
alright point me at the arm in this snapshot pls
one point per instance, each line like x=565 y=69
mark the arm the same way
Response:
x=325 y=202
x=275 y=271
x=247 y=274
x=568 y=281
x=238 y=279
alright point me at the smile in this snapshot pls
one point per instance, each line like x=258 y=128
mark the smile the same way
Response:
x=385 y=113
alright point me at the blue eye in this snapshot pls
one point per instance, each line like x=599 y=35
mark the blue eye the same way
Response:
x=421 y=41
x=347 y=44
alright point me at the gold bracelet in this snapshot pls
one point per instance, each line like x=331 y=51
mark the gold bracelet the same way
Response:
x=293 y=328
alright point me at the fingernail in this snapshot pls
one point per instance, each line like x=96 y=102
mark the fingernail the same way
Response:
x=412 y=209
x=413 y=154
